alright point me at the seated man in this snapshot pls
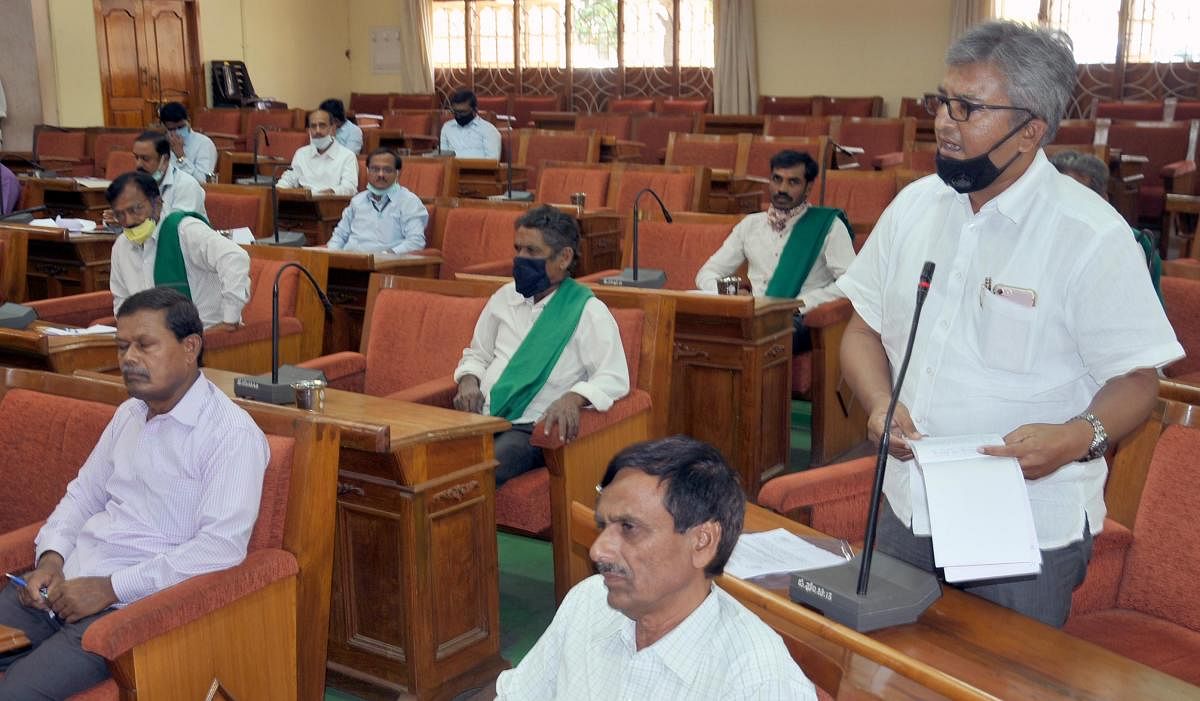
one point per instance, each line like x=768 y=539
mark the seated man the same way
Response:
x=179 y=251
x=180 y=191
x=468 y=135
x=386 y=217
x=194 y=153
x=651 y=625
x=345 y=132
x=324 y=166
x=544 y=346
x=794 y=249
x=171 y=491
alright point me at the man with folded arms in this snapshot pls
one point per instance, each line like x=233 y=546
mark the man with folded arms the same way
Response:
x=651 y=625
x=386 y=217
x=193 y=152
x=324 y=166
x=179 y=250
x=171 y=491
x=795 y=250
x=544 y=347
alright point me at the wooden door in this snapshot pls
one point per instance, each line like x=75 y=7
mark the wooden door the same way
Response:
x=149 y=54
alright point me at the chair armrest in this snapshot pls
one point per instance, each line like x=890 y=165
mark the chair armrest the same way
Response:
x=346 y=370
x=436 y=392
x=492 y=267
x=76 y=310
x=120 y=631
x=1182 y=267
x=592 y=421
x=251 y=332
x=831 y=499
x=1105 y=570
x=1178 y=177
x=17 y=548
x=1178 y=168
x=599 y=275
x=220 y=135
x=832 y=312
x=888 y=160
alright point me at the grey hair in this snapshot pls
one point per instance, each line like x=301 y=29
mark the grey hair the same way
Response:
x=1084 y=164
x=1038 y=65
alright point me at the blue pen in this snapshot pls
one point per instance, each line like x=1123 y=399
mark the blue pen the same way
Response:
x=19 y=581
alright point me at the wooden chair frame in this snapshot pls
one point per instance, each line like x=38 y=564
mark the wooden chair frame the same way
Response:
x=14 y=264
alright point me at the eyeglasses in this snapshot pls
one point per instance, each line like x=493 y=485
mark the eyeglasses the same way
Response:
x=960 y=110
x=136 y=210
x=381 y=170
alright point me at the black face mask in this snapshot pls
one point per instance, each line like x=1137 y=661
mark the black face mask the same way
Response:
x=464 y=119
x=974 y=174
x=530 y=276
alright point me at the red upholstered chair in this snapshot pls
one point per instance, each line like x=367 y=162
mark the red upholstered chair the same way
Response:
x=412 y=101
x=618 y=126
x=61 y=150
x=631 y=104
x=233 y=206
x=679 y=249
x=404 y=129
x=682 y=188
x=428 y=178
x=1082 y=131
x=882 y=140
x=117 y=162
x=282 y=120
x=496 y=104
x=654 y=131
x=1182 y=299
x=1187 y=110
x=716 y=151
x=774 y=104
x=1148 y=111
x=871 y=106
x=372 y=103
x=1170 y=152
x=107 y=142
x=275 y=601
x=672 y=105
x=559 y=181
x=284 y=144
x=475 y=238
x=754 y=166
x=862 y=195
x=793 y=125
x=524 y=105
x=1139 y=599
x=222 y=125
x=536 y=146
x=14 y=247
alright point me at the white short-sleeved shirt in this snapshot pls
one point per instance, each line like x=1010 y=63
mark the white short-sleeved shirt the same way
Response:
x=982 y=363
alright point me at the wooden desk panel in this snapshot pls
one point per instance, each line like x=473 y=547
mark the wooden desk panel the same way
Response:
x=12 y=639
x=32 y=348
x=65 y=197
x=60 y=264
x=315 y=215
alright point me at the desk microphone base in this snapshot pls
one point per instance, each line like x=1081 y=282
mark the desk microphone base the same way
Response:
x=513 y=196
x=898 y=593
x=290 y=239
x=647 y=278
x=261 y=389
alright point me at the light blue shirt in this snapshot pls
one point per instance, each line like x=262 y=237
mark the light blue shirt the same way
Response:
x=350 y=136
x=393 y=224
x=199 y=156
x=479 y=139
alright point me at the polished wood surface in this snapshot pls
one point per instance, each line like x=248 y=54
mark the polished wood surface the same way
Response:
x=65 y=197
x=14 y=259
x=32 y=348
x=60 y=264
x=12 y=639
x=315 y=215
x=233 y=166
x=963 y=647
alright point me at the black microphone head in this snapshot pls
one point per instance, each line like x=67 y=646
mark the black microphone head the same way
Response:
x=667 y=216
x=927 y=273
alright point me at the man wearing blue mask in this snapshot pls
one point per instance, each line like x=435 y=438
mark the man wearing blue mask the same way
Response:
x=386 y=217
x=1041 y=324
x=193 y=152
x=180 y=191
x=544 y=347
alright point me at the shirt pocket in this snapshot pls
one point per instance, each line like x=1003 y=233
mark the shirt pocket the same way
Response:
x=1006 y=333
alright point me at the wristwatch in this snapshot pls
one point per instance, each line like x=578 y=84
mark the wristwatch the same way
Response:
x=181 y=160
x=1099 y=444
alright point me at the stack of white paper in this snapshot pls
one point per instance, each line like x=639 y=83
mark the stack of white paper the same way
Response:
x=769 y=552
x=96 y=330
x=979 y=511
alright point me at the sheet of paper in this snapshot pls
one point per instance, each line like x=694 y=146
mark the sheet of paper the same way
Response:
x=93 y=182
x=96 y=330
x=242 y=235
x=774 y=551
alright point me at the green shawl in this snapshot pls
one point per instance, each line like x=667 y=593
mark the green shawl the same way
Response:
x=801 y=250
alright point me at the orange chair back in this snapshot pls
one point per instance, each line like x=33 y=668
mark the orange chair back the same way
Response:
x=118 y=162
x=679 y=249
x=1161 y=142
x=413 y=101
x=424 y=177
x=497 y=104
x=718 y=151
x=677 y=189
x=271 y=119
x=372 y=103
x=876 y=136
x=871 y=106
x=762 y=148
x=684 y=106
x=218 y=120
x=1181 y=298
x=540 y=145
x=655 y=130
x=49 y=142
x=1187 y=110
x=409 y=122
x=262 y=281
x=628 y=104
x=1075 y=131
x=614 y=125
x=476 y=235
x=227 y=210
x=798 y=125
x=107 y=142
x=774 y=104
x=863 y=195
x=271 y=523
x=558 y=182
x=284 y=144
x=1149 y=111
x=629 y=325
x=523 y=107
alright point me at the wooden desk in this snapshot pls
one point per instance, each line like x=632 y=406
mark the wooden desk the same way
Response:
x=66 y=197
x=963 y=647
x=599 y=239
x=232 y=165
x=483 y=177
x=33 y=348
x=12 y=639
x=60 y=264
x=349 y=279
x=416 y=602
x=315 y=215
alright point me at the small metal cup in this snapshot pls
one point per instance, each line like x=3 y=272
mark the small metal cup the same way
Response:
x=729 y=285
x=579 y=199
x=310 y=395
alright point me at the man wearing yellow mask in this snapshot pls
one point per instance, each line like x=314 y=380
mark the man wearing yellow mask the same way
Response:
x=177 y=250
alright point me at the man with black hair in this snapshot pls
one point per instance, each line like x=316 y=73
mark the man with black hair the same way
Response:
x=794 y=249
x=193 y=152
x=544 y=347
x=346 y=133
x=386 y=217
x=651 y=625
x=177 y=250
x=180 y=192
x=468 y=135
x=171 y=491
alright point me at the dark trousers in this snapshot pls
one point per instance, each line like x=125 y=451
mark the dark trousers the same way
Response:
x=1045 y=597
x=55 y=665
x=801 y=337
x=514 y=453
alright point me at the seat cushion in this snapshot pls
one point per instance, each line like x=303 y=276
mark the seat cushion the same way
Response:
x=104 y=691
x=523 y=503
x=1160 y=644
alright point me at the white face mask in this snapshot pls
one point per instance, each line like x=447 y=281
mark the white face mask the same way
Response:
x=320 y=143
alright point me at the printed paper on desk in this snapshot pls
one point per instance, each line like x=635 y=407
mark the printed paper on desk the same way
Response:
x=774 y=551
x=979 y=513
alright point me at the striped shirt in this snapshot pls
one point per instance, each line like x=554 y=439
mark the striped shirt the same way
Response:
x=162 y=500
x=720 y=651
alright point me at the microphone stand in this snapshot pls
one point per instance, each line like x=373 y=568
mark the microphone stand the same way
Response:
x=633 y=277
x=294 y=239
x=266 y=138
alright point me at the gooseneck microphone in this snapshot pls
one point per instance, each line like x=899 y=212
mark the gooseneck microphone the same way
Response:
x=275 y=311
x=634 y=276
x=864 y=572
x=261 y=128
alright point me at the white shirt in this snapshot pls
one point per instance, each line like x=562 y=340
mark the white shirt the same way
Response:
x=162 y=500
x=982 y=363
x=199 y=156
x=755 y=241
x=592 y=365
x=336 y=169
x=479 y=139
x=218 y=271
x=350 y=135
x=394 y=223
x=720 y=651
x=181 y=192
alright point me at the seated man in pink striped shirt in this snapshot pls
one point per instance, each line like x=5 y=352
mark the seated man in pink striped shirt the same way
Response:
x=171 y=491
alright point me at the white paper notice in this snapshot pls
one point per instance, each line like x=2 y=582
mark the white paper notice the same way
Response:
x=775 y=551
x=96 y=330
x=242 y=235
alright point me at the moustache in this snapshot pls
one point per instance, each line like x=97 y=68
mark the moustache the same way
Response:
x=610 y=568
x=134 y=373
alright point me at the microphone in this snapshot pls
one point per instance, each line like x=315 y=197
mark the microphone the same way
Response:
x=260 y=129
x=275 y=392
x=520 y=195
x=634 y=277
x=293 y=239
x=39 y=170
x=902 y=592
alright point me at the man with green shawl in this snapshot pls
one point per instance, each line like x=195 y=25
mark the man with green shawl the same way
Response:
x=179 y=250
x=544 y=348
x=793 y=249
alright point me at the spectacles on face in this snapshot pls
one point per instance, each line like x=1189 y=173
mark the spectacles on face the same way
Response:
x=381 y=170
x=960 y=110
x=141 y=209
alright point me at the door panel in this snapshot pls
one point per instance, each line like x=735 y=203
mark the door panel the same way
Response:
x=167 y=39
x=122 y=64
